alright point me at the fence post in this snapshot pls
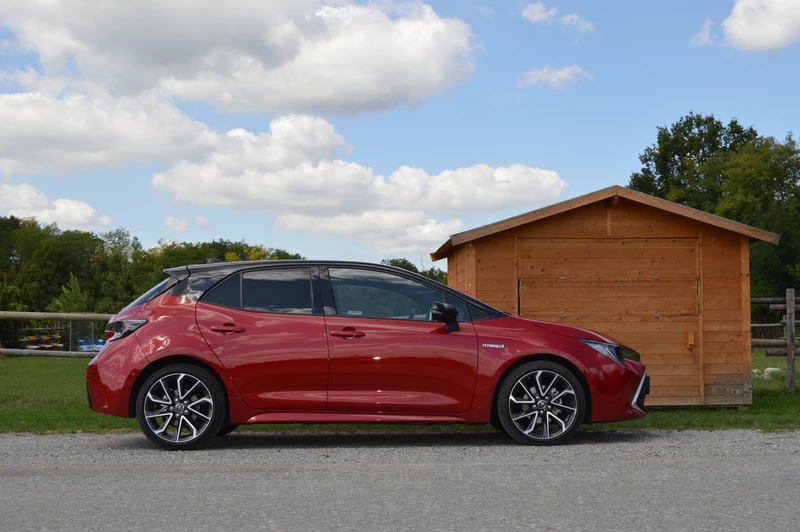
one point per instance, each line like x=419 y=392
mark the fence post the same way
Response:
x=790 y=348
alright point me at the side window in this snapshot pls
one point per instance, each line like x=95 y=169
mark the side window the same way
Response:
x=370 y=294
x=228 y=293
x=478 y=314
x=279 y=291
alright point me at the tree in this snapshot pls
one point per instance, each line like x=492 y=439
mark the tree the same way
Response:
x=71 y=299
x=431 y=273
x=732 y=171
x=677 y=166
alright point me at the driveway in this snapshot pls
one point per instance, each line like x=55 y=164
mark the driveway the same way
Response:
x=654 y=480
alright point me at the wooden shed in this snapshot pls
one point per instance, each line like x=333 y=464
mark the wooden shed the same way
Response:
x=670 y=281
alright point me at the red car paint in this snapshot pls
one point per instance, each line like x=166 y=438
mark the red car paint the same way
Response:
x=286 y=368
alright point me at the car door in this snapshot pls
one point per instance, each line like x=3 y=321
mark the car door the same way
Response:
x=267 y=329
x=386 y=355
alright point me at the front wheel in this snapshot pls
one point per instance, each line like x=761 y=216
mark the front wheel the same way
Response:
x=541 y=403
x=181 y=407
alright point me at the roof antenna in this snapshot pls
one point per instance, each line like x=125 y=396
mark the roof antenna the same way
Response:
x=213 y=260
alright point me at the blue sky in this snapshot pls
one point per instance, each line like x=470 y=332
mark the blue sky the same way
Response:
x=119 y=116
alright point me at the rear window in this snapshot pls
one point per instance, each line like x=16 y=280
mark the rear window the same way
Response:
x=284 y=291
x=228 y=293
x=151 y=294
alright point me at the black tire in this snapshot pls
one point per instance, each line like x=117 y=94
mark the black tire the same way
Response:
x=226 y=429
x=539 y=392
x=184 y=423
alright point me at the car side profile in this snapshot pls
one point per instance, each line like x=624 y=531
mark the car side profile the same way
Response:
x=215 y=346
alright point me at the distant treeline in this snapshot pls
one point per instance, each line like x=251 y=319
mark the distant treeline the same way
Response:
x=43 y=268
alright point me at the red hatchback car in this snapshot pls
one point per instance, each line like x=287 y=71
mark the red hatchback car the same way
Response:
x=218 y=345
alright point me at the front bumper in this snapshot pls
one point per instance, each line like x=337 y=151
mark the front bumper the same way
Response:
x=643 y=390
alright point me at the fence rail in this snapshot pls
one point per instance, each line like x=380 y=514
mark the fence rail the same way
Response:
x=786 y=346
x=51 y=316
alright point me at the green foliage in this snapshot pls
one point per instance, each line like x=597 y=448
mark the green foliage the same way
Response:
x=72 y=298
x=9 y=298
x=431 y=273
x=732 y=171
x=44 y=268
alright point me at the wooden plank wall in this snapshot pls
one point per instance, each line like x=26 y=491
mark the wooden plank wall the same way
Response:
x=692 y=359
x=726 y=318
x=457 y=268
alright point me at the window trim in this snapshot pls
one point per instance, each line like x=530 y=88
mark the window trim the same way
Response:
x=314 y=287
x=329 y=297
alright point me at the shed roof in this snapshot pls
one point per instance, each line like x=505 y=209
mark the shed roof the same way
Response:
x=600 y=195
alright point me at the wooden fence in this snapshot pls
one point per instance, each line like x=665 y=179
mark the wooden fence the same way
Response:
x=786 y=346
x=51 y=316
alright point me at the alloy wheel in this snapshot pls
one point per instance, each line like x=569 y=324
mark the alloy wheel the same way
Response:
x=178 y=408
x=543 y=405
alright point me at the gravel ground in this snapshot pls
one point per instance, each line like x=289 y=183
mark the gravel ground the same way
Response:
x=652 y=480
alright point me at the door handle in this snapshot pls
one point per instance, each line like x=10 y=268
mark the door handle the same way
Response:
x=348 y=333
x=227 y=328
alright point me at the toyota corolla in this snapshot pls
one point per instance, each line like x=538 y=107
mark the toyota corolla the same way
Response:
x=215 y=346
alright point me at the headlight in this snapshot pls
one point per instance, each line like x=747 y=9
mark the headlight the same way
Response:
x=613 y=351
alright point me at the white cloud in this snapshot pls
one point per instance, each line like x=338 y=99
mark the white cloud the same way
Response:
x=25 y=201
x=176 y=224
x=248 y=55
x=73 y=132
x=556 y=78
x=759 y=25
x=703 y=37
x=292 y=171
x=201 y=222
x=538 y=12
x=575 y=21
x=389 y=232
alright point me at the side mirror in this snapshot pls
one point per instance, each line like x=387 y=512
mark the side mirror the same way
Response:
x=447 y=314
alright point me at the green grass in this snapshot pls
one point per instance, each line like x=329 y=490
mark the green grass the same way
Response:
x=773 y=408
x=49 y=395
x=42 y=395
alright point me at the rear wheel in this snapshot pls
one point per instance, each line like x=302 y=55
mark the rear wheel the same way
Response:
x=181 y=407
x=541 y=403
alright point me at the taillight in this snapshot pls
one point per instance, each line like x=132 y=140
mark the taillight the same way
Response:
x=120 y=329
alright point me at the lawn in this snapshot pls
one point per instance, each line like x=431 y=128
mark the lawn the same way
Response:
x=49 y=395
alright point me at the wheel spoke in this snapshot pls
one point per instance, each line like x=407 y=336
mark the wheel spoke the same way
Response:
x=546 y=426
x=157 y=400
x=166 y=393
x=189 y=390
x=555 y=378
x=564 y=406
x=164 y=426
x=180 y=378
x=568 y=390
x=533 y=424
x=521 y=401
x=538 y=382
x=524 y=414
x=193 y=411
x=560 y=422
x=178 y=429
x=201 y=400
x=191 y=427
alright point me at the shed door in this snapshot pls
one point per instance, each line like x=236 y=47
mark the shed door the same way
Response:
x=643 y=292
